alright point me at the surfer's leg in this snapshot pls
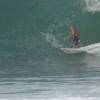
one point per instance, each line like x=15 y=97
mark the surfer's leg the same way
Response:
x=76 y=45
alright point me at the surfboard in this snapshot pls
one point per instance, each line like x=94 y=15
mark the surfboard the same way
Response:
x=72 y=50
x=92 y=48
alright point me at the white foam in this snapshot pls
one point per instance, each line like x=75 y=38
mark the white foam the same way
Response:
x=91 y=5
x=63 y=98
x=93 y=48
x=50 y=38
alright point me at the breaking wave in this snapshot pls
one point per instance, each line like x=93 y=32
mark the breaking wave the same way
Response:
x=91 y=5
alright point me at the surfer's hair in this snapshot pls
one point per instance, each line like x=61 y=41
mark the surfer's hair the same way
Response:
x=74 y=28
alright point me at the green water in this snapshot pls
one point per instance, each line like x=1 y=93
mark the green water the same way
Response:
x=31 y=64
x=22 y=22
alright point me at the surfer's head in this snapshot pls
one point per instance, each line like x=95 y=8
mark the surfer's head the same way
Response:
x=73 y=30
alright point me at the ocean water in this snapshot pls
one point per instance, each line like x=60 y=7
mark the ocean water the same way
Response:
x=32 y=67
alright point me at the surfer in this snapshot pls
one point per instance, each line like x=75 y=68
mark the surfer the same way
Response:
x=75 y=37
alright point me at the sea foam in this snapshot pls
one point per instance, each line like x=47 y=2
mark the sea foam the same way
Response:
x=91 y=5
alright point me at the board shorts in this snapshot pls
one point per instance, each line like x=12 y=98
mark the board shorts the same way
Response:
x=76 y=41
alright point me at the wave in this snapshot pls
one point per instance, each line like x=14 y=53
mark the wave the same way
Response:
x=92 y=48
x=63 y=98
x=52 y=40
x=91 y=5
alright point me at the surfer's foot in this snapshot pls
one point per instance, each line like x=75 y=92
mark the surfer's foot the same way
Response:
x=76 y=46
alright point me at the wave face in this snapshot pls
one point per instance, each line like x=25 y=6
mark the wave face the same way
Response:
x=31 y=64
x=39 y=24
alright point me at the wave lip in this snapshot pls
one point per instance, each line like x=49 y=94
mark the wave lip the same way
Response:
x=91 y=5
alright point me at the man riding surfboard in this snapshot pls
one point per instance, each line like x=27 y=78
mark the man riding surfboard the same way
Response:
x=75 y=37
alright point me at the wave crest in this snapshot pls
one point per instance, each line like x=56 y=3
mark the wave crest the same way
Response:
x=91 y=5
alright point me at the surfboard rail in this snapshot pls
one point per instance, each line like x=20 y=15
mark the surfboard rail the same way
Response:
x=72 y=50
x=92 y=48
